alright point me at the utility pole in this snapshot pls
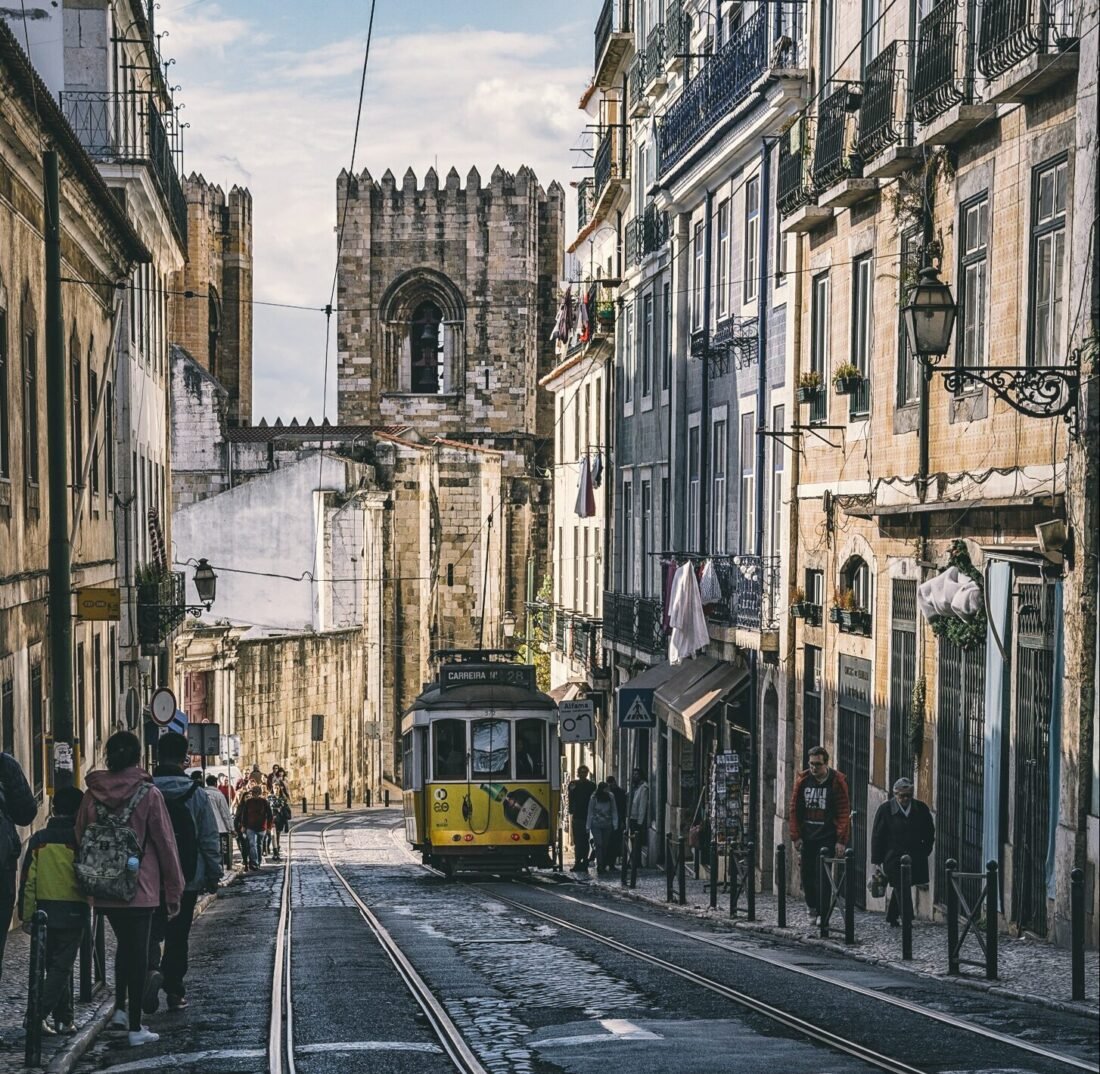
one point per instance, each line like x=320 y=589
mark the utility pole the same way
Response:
x=60 y=604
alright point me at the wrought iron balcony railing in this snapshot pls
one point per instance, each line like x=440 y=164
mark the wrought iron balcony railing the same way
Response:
x=833 y=143
x=794 y=189
x=735 y=342
x=610 y=164
x=859 y=399
x=1011 y=30
x=160 y=607
x=584 y=645
x=723 y=82
x=943 y=75
x=645 y=234
x=750 y=592
x=677 y=31
x=561 y=620
x=655 y=52
x=637 y=80
x=614 y=19
x=125 y=128
x=586 y=199
x=883 y=112
x=632 y=621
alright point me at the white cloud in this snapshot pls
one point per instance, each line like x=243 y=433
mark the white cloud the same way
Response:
x=281 y=123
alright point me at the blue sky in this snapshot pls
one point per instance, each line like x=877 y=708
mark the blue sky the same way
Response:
x=270 y=89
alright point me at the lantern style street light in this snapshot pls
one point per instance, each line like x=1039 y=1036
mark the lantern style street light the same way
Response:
x=929 y=317
x=206 y=582
x=508 y=626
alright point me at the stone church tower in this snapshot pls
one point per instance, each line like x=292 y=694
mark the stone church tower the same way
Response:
x=446 y=305
x=215 y=326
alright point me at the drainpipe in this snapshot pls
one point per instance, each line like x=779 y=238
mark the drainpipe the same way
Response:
x=704 y=417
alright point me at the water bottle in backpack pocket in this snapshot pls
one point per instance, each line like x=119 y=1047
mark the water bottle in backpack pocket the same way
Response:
x=109 y=859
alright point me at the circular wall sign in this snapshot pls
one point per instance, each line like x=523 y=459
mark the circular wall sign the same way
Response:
x=162 y=705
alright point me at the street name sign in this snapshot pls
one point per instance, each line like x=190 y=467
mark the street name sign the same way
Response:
x=576 y=722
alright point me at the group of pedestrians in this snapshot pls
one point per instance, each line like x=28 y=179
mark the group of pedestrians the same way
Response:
x=140 y=848
x=600 y=814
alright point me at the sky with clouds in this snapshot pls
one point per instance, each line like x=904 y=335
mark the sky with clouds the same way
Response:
x=271 y=88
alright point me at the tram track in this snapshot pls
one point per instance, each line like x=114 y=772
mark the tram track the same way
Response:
x=943 y=1018
x=281 y=1047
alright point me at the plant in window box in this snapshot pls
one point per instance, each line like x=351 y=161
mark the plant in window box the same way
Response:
x=846 y=378
x=798 y=603
x=809 y=384
x=605 y=315
x=836 y=606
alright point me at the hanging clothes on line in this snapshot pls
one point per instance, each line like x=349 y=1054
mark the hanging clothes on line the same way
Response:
x=586 y=498
x=597 y=471
x=584 y=319
x=710 y=589
x=688 y=624
x=563 y=324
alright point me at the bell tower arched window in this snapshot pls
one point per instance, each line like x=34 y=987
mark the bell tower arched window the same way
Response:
x=213 y=331
x=426 y=350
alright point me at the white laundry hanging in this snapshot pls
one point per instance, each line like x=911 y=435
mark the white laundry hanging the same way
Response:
x=688 y=625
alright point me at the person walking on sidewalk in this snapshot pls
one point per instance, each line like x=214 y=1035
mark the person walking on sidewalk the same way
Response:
x=621 y=807
x=127 y=791
x=820 y=818
x=903 y=825
x=252 y=820
x=638 y=819
x=580 y=794
x=196 y=831
x=48 y=882
x=223 y=815
x=603 y=823
x=17 y=807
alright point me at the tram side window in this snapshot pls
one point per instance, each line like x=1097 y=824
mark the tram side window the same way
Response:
x=407 y=760
x=530 y=749
x=492 y=748
x=449 y=749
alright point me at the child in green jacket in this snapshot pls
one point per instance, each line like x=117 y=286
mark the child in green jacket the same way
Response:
x=48 y=883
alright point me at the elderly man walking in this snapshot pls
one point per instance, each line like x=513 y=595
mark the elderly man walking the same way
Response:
x=903 y=825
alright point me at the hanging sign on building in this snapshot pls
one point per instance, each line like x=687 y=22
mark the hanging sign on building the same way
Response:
x=576 y=721
x=99 y=604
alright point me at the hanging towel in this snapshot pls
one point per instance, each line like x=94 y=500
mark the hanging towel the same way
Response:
x=597 y=471
x=668 y=568
x=586 y=499
x=584 y=323
x=563 y=325
x=688 y=623
x=710 y=589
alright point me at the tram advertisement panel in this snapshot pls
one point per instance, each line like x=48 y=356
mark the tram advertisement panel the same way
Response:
x=484 y=812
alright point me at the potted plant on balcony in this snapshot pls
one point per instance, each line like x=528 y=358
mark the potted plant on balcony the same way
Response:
x=605 y=315
x=809 y=384
x=835 y=606
x=798 y=603
x=846 y=378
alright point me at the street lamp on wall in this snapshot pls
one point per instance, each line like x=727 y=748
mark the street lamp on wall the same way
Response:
x=206 y=582
x=1035 y=391
x=508 y=626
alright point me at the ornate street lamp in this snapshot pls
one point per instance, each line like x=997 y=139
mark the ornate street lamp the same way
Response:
x=508 y=626
x=206 y=582
x=929 y=317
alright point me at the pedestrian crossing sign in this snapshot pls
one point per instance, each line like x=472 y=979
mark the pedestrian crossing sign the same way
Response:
x=636 y=708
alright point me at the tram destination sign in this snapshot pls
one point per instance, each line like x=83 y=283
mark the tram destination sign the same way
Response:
x=455 y=675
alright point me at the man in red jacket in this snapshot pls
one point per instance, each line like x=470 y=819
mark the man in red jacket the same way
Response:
x=819 y=818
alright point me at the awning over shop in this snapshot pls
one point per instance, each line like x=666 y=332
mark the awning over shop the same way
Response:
x=686 y=699
x=568 y=691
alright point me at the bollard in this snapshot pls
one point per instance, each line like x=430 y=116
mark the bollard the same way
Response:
x=904 y=892
x=635 y=858
x=1077 y=930
x=628 y=850
x=303 y=805
x=561 y=850
x=713 y=874
x=750 y=879
x=33 y=1049
x=696 y=858
x=952 y=919
x=367 y=797
x=781 y=883
x=349 y=798
x=327 y=806
x=681 y=872
x=86 y=955
x=386 y=797
x=732 y=877
x=849 y=896
x=992 y=890
x=670 y=868
x=100 y=951
x=823 y=890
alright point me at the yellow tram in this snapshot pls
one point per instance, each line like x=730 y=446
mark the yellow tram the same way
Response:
x=480 y=768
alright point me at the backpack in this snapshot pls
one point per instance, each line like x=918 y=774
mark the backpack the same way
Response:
x=108 y=844
x=187 y=837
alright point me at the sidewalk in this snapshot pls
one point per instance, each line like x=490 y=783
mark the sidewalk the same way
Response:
x=60 y=1053
x=1027 y=968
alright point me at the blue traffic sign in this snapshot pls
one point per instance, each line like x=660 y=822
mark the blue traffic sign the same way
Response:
x=635 y=708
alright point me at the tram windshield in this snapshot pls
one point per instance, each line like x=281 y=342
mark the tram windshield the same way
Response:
x=530 y=749
x=449 y=749
x=491 y=748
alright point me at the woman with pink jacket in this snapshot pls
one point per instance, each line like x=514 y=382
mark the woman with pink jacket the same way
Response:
x=159 y=870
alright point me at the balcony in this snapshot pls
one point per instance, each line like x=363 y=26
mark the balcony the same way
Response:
x=837 y=170
x=632 y=622
x=160 y=607
x=735 y=344
x=750 y=593
x=609 y=169
x=586 y=199
x=884 y=141
x=1023 y=46
x=653 y=72
x=128 y=128
x=639 y=103
x=645 y=235
x=677 y=35
x=723 y=83
x=943 y=77
x=584 y=646
x=612 y=41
